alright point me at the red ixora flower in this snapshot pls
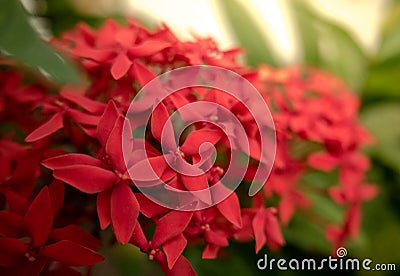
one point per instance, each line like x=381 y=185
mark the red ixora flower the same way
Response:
x=107 y=176
x=75 y=132
x=68 y=245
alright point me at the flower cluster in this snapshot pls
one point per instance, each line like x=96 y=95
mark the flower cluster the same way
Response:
x=63 y=170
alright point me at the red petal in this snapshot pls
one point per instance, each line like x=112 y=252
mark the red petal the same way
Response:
x=148 y=47
x=95 y=54
x=210 y=251
x=120 y=66
x=83 y=118
x=322 y=161
x=258 y=224
x=88 y=179
x=158 y=120
x=107 y=122
x=286 y=209
x=11 y=224
x=66 y=160
x=16 y=202
x=104 y=208
x=149 y=208
x=170 y=226
x=215 y=238
x=55 y=123
x=198 y=183
x=126 y=37
x=181 y=267
x=75 y=234
x=273 y=230
x=39 y=217
x=142 y=73
x=70 y=253
x=124 y=212
x=56 y=190
x=150 y=169
x=114 y=146
x=230 y=209
x=368 y=192
x=196 y=138
x=138 y=238
x=88 y=104
x=11 y=250
x=173 y=249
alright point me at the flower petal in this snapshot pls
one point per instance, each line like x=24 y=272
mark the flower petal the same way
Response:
x=148 y=47
x=196 y=138
x=170 y=226
x=107 y=122
x=55 y=123
x=120 y=66
x=322 y=161
x=104 y=208
x=90 y=105
x=230 y=209
x=210 y=251
x=273 y=229
x=56 y=191
x=149 y=208
x=11 y=224
x=39 y=217
x=83 y=118
x=88 y=179
x=124 y=212
x=114 y=146
x=198 y=185
x=70 y=159
x=258 y=225
x=173 y=249
x=70 y=253
x=11 y=250
x=138 y=238
x=182 y=266
x=75 y=234
x=142 y=73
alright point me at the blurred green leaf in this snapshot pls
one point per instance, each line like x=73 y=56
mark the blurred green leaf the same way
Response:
x=327 y=45
x=247 y=33
x=19 y=41
x=383 y=120
x=390 y=36
x=384 y=73
x=325 y=208
x=230 y=263
x=307 y=235
x=307 y=32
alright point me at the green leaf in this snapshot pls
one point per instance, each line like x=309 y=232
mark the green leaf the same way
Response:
x=247 y=33
x=385 y=70
x=19 y=41
x=383 y=120
x=342 y=54
x=389 y=47
x=306 y=31
x=307 y=235
x=327 y=45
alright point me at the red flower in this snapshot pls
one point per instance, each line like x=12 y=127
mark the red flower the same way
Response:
x=168 y=235
x=70 y=245
x=116 y=203
x=115 y=46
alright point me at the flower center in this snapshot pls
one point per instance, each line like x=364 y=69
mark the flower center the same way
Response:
x=205 y=227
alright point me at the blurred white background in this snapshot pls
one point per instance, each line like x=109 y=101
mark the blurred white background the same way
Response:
x=203 y=17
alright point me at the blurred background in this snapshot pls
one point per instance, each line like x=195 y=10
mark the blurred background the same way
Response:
x=358 y=40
